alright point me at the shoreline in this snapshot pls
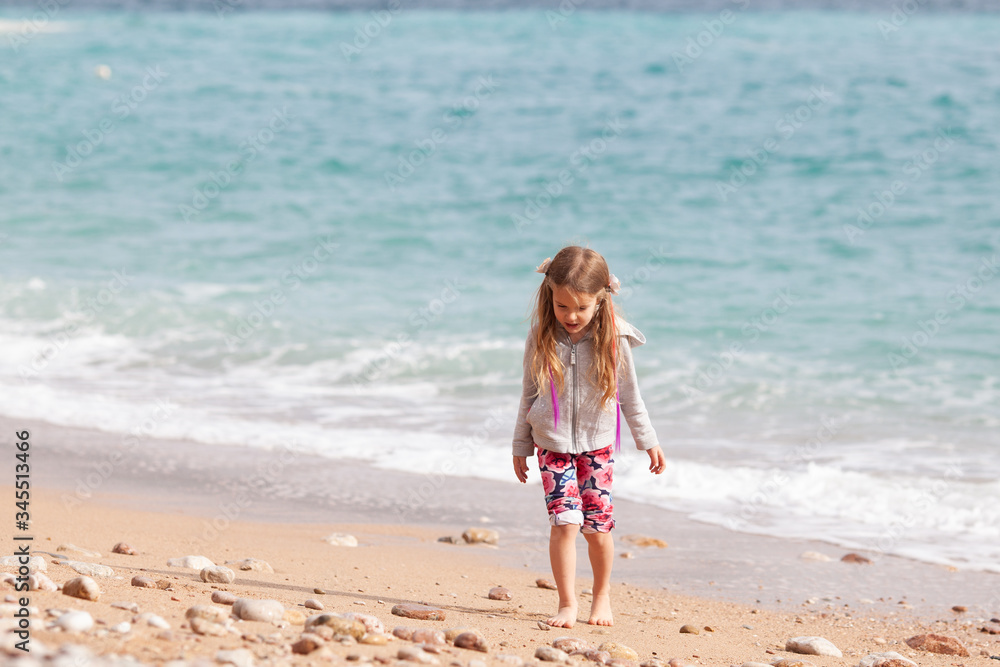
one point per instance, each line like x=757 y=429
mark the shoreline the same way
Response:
x=167 y=503
x=222 y=484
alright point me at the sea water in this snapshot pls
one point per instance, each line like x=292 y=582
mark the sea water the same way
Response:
x=318 y=231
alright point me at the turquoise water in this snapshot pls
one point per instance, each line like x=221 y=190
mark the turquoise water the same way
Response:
x=329 y=244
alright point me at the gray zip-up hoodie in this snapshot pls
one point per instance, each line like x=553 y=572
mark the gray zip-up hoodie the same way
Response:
x=583 y=425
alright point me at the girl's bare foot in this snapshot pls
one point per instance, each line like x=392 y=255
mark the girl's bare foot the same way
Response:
x=600 y=611
x=565 y=618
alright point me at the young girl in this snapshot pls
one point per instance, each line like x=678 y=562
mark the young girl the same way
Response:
x=578 y=382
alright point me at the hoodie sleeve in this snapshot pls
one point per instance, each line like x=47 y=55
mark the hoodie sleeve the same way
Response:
x=523 y=444
x=633 y=409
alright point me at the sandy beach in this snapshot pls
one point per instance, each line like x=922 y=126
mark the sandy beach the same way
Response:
x=181 y=499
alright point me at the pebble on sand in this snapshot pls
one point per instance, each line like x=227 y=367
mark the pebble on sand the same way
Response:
x=341 y=540
x=84 y=588
x=420 y=612
x=791 y=662
x=472 y=641
x=35 y=563
x=688 y=629
x=207 y=612
x=261 y=611
x=450 y=539
x=88 y=569
x=344 y=627
x=39 y=581
x=887 y=659
x=313 y=604
x=816 y=556
x=126 y=605
x=428 y=636
x=934 y=643
x=571 y=644
x=372 y=623
x=203 y=626
x=307 y=643
x=252 y=565
x=619 y=651
x=121 y=628
x=123 y=548
x=856 y=558
x=645 y=541
x=500 y=593
x=239 y=657
x=546 y=584
x=626 y=554
x=481 y=536
x=74 y=621
x=143 y=582
x=223 y=597
x=416 y=654
x=190 y=562
x=813 y=646
x=960 y=609
x=218 y=574
x=550 y=654
x=542 y=625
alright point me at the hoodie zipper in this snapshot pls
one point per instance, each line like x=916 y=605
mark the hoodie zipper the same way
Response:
x=572 y=362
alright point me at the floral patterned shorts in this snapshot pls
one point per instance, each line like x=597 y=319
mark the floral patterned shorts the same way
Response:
x=578 y=488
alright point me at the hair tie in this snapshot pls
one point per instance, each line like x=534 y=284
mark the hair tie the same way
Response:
x=614 y=285
x=544 y=266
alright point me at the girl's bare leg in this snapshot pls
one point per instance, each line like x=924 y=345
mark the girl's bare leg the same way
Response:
x=601 y=548
x=562 y=554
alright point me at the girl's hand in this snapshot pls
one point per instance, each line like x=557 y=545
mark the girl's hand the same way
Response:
x=521 y=468
x=657 y=461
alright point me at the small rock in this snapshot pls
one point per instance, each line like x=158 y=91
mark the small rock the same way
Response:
x=344 y=627
x=450 y=539
x=938 y=644
x=500 y=593
x=960 y=608
x=75 y=621
x=218 y=574
x=240 y=657
x=35 y=563
x=402 y=632
x=626 y=554
x=223 y=597
x=644 y=541
x=143 y=582
x=690 y=630
x=84 y=588
x=207 y=612
x=153 y=621
x=709 y=628
x=856 y=558
x=813 y=646
x=619 y=651
x=677 y=662
x=481 y=536
x=472 y=641
x=542 y=625
x=261 y=611
x=451 y=633
x=376 y=639
x=654 y=662
x=126 y=605
x=307 y=643
x=595 y=655
x=507 y=659
x=991 y=628
x=122 y=548
x=372 y=624
x=571 y=645
x=550 y=654
x=191 y=562
x=428 y=636
x=881 y=641
x=73 y=549
x=313 y=604
x=888 y=659
x=791 y=662
x=546 y=584
x=419 y=612
x=88 y=569
x=416 y=654
x=121 y=628
x=816 y=556
x=295 y=617
x=587 y=591
x=252 y=565
x=755 y=664
x=203 y=626
x=319 y=591
x=39 y=581
x=342 y=540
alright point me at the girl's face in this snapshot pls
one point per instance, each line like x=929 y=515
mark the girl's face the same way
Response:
x=574 y=311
